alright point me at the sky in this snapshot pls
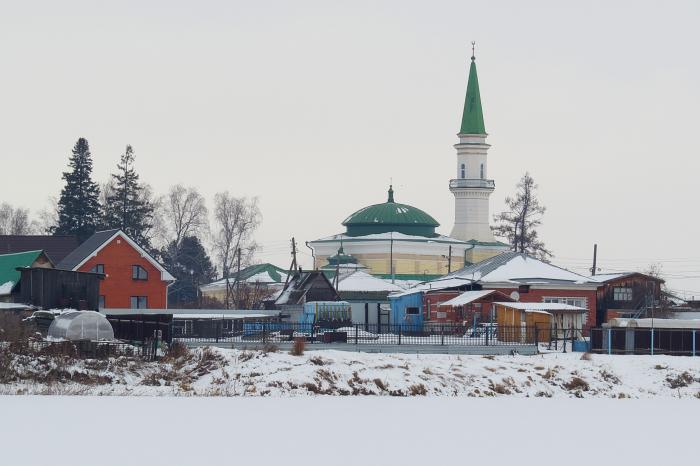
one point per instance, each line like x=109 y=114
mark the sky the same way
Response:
x=314 y=106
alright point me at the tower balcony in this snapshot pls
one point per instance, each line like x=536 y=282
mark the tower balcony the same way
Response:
x=472 y=183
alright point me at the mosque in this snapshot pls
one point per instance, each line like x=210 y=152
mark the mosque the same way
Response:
x=399 y=242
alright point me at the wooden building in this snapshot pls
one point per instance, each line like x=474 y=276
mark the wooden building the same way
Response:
x=304 y=287
x=629 y=294
x=59 y=289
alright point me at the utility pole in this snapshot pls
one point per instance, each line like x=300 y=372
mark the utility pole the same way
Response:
x=449 y=260
x=293 y=266
x=391 y=255
x=595 y=259
x=238 y=281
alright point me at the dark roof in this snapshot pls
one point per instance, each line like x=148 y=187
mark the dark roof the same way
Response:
x=56 y=248
x=84 y=251
x=297 y=290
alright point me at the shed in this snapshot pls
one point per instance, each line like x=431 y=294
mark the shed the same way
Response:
x=520 y=321
x=9 y=269
x=407 y=310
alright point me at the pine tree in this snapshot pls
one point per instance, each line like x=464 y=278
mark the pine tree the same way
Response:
x=78 y=206
x=519 y=223
x=127 y=207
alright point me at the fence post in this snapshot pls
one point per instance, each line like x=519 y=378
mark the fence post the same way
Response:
x=652 y=341
x=264 y=335
x=488 y=332
x=356 y=332
x=442 y=335
x=399 y=334
x=609 y=340
x=694 y=342
x=537 y=340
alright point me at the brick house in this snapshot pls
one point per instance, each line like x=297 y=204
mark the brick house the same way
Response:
x=518 y=276
x=133 y=278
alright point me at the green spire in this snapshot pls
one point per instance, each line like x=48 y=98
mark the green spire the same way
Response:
x=473 y=116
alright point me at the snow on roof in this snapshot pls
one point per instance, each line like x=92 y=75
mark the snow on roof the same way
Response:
x=14 y=306
x=512 y=267
x=6 y=288
x=467 y=297
x=203 y=315
x=655 y=323
x=362 y=281
x=438 y=284
x=395 y=236
x=543 y=307
x=262 y=277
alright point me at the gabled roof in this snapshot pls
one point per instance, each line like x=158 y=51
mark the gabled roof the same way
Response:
x=471 y=296
x=99 y=240
x=519 y=269
x=362 y=281
x=258 y=273
x=9 y=263
x=56 y=248
x=299 y=285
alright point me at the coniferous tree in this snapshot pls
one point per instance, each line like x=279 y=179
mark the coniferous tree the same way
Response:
x=78 y=206
x=128 y=206
x=191 y=266
x=518 y=225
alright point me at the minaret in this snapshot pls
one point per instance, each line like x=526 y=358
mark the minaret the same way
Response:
x=471 y=187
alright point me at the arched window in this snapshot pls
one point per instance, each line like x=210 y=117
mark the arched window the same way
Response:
x=464 y=171
x=482 y=171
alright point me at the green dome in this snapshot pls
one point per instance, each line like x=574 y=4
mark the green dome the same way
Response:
x=390 y=216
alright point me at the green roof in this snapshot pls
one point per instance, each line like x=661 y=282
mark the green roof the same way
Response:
x=341 y=258
x=473 y=115
x=10 y=262
x=390 y=216
x=276 y=273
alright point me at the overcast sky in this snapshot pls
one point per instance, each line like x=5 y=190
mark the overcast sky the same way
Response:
x=315 y=106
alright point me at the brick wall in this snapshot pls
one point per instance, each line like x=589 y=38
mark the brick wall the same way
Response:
x=118 y=287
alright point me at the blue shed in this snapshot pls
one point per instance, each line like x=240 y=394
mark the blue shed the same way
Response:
x=407 y=311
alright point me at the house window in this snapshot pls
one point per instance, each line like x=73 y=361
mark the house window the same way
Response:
x=524 y=289
x=464 y=171
x=578 y=302
x=482 y=171
x=138 y=273
x=98 y=268
x=139 y=302
x=412 y=311
x=622 y=294
x=101 y=302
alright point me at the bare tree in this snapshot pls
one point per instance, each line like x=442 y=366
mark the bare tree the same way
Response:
x=15 y=221
x=184 y=213
x=236 y=220
x=518 y=225
x=48 y=217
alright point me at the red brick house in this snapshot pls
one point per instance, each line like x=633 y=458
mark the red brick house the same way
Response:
x=133 y=278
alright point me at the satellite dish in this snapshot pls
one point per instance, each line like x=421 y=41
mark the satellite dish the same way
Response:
x=515 y=295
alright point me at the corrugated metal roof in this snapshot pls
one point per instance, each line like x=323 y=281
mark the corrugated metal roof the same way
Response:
x=10 y=262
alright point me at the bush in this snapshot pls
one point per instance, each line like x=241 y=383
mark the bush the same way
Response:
x=298 y=346
x=577 y=383
x=176 y=351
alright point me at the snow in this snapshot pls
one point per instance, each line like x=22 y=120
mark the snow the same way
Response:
x=362 y=281
x=394 y=235
x=6 y=288
x=438 y=284
x=14 y=306
x=467 y=297
x=78 y=431
x=521 y=269
x=227 y=316
x=543 y=307
x=262 y=277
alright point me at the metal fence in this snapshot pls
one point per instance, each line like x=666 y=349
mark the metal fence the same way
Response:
x=384 y=334
x=635 y=340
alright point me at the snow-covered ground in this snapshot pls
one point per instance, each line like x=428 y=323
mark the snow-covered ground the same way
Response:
x=226 y=372
x=340 y=431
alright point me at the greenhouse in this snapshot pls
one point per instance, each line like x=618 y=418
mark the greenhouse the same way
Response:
x=81 y=325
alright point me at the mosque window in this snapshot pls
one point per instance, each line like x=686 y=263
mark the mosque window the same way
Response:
x=482 y=171
x=464 y=171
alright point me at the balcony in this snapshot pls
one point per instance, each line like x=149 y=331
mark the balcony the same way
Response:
x=467 y=183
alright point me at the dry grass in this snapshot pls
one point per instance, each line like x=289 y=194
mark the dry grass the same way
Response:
x=578 y=384
x=681 y=380
x=418 y=390
x=298 y=346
